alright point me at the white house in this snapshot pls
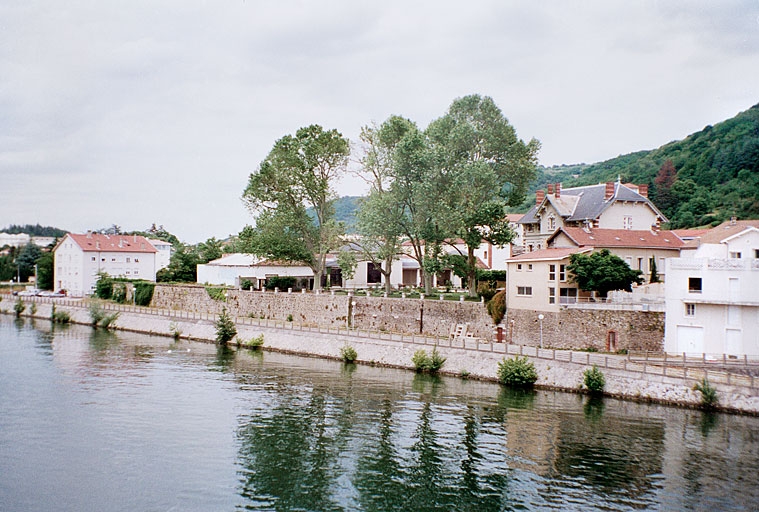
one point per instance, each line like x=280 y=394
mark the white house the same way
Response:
x=232 y=269
x=79 y=258
x=163 y=256
x=712 y=292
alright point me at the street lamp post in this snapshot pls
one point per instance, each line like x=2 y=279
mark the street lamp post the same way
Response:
x=541 y=317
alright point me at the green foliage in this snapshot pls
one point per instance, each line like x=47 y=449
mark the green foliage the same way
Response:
x=119 y=292
x=348 y=353
x=347 y=262
x=289 y=318
x=209 y=250
x=60 y=317
x=33 y=308
x=19 y=307
x=486 y=291
x=183 y=267
x=709 y=398
x=26 y=259
x=225 y=327
x=497 y=306
x=517 y=372
x=594 y=379
x=143 y=293
x=424 y=362
x=246 y=284
x=492 y=277
x=654 y=271
x=716 y=173
x=108 y=320
x=216 y=293
x=34 y=230
x=602 y=272
x=104 y=286
x=281 y=282
x=96 y=313
x=298 y=173
x=45 y=271
x=255 y=342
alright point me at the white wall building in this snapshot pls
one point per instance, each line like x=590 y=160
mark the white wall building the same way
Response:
x=712 y=293
x=79 y=258
x=163 y=256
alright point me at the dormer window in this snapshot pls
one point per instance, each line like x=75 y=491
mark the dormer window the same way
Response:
x=551 y=223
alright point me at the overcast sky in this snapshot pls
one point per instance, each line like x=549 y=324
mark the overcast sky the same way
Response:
x=141 y=112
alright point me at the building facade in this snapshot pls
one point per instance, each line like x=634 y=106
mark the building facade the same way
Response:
x=79 y=258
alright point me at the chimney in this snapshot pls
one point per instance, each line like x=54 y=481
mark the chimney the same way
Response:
x=550 y=189
x=539 y=196
x=558 y=189
x=89 y=233
x=643 y=190
x=733 y=220
x=609 y=193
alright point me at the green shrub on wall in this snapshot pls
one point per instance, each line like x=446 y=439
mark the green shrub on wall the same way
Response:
x=283 y=283
x=594 y=380
x=424 y=362
x=517 y=372
x=143 y=293
x=216 y=293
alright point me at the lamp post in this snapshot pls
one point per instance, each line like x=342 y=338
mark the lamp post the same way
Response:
x=541 y=317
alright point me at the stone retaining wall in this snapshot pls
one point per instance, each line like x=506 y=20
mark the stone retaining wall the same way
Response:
x=579 y=328
x=408 y=316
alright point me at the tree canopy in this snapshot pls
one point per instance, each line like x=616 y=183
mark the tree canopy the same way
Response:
x=602 y=272
x=297 y=175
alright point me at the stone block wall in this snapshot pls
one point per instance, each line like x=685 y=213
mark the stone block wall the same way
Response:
x=415 y=316
x=408 y=316
x=579 y=329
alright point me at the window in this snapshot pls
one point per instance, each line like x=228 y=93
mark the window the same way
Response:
x=529 y=267
x=524 y=290
x=136 y=272
x=93 y=258
x=519 y=267
x=113 y=259
x=102 y=259
x=128 y=260
x=735 y=255
x=562 y=272
x=627 y=222
x=694 y=284
x=567 y=295
x=552 y=273
x=690 y=310
x=373 y=274
x=136 y=260
x=551 y=223
x=640 y=264
x=552 y=295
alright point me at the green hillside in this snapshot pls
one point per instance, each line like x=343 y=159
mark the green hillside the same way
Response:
x=716 y=173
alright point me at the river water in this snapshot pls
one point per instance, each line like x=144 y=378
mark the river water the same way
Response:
x=96 y=420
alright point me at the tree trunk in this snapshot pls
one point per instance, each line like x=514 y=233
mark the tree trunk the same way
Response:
x=386 y=272
x=471 y=271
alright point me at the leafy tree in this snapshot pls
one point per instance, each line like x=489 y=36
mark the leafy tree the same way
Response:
x=209 y=250
x=183 y=266
x=225 y=328
x=27 y=258
x=654 y=270
x=380 y=216
x=488 y=168
x=347 y=262
x=602 y=272
x=34 y=230
x=665 y=179
x=518 y=372
x=45 y=265
x=298 y=174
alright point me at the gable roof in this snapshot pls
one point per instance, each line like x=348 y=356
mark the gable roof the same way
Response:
x=604 y=237
x=95 y=242
x=722 y=232
x=587 y=203
x=557 y=253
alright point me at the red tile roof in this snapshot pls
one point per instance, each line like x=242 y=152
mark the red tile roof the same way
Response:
x=557 y=253
x=600 y=238
x=93 y=242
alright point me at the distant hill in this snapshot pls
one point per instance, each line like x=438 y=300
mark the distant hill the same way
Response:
x=345 y=211
x=716 y=173
x=34 y=230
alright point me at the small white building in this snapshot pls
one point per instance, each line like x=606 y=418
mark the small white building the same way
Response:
x=163 y=256
x=712 y=293
x=79 y=258
x=232 y=269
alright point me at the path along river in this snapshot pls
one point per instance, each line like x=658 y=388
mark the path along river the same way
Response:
x=96 y=420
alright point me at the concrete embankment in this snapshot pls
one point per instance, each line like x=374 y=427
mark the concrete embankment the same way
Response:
x=557 y=369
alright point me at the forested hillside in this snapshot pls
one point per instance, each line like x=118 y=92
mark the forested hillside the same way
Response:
x=34 y=230
x=704 y=179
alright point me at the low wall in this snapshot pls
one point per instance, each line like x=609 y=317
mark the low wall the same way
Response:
x=587 y=328
x=408 y=316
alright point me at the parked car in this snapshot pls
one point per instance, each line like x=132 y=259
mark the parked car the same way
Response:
x=29 y=292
